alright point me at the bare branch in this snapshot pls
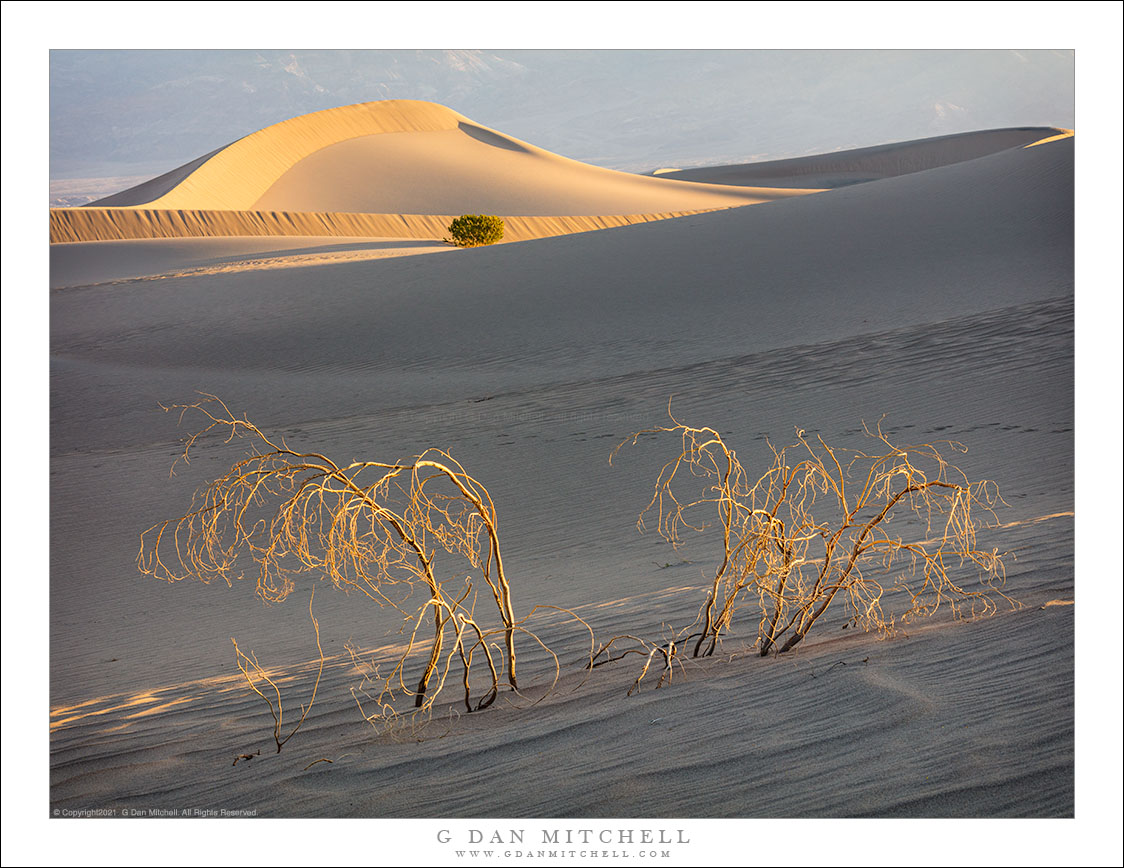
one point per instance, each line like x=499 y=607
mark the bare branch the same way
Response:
x=379 y=528
x=815 y=526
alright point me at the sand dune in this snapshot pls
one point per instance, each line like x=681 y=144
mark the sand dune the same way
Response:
x=942 y=297
x=396 y=168
x=860 y=165
x=880 y=252
x=410 y=157
x=237 y=175
x=403 y=168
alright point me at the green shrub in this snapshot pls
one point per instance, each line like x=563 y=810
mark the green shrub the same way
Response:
x=474 y=230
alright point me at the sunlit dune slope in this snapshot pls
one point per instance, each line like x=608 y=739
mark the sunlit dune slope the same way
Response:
x=411 y=157
x=111 y=224
x=860 y=165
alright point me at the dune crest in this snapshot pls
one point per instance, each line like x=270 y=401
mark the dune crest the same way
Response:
x=237 y=175
x=862 y=165
x=1063 y=133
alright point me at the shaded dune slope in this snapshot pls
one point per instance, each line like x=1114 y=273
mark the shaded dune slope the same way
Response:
x=942 y=298
x=987 y=233
x=860 y=165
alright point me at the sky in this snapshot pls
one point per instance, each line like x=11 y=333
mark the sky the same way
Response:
x=124 y=113
x=135 y=91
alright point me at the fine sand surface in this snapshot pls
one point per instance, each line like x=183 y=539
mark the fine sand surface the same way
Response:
x=941 y=299
x=88 y=263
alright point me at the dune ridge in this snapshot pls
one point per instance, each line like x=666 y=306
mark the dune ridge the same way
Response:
x=114 y=224
x=860 y=165
x=1062 y=133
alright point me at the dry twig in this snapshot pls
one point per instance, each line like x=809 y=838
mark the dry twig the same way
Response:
x=253 y=673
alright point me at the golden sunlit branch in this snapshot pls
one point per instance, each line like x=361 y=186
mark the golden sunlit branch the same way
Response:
x=804 y=533
x=374 y=527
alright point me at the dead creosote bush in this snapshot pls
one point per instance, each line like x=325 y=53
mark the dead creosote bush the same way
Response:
x=822 y=524
x=369 y=527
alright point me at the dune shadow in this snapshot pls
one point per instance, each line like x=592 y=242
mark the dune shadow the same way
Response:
x=490 y=138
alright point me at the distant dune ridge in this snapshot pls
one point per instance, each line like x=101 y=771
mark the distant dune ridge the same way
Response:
x=860 y=165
